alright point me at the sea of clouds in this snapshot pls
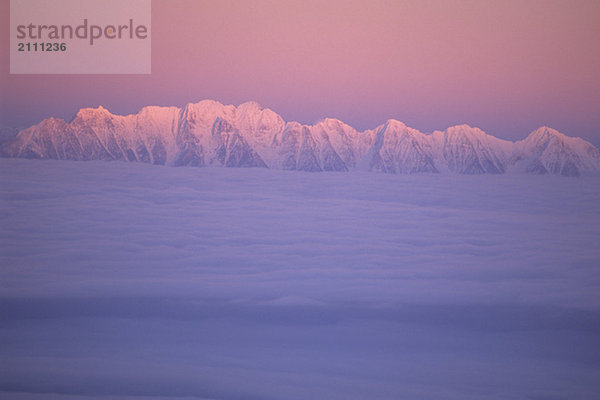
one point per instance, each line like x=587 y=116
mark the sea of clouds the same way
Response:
x=127 y=281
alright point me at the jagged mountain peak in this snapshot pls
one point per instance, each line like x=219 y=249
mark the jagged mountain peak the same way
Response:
x=469 y=150
x=293 y=125
x=329 y=121
x=333 y=124
x=153 y=110
x=49 y=122
x=464 y=130
x=209 y=133
x=99 y=108
x=252 y=116
x=545 y=136
x=545 y=133
x=394 y=123
x=545 y=150
x=249 y=106
x=206 y=104
x=207 y=110
x=395 y=128
x=399 y=128
x=475 y=136
x=545 y=130
x=91 y=112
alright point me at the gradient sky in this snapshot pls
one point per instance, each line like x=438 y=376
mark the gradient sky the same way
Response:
x=504 y=66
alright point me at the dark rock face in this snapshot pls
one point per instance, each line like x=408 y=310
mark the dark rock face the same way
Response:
x=239 y=154
x=191 y=154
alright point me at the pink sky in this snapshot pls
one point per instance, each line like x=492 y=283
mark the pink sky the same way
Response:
x=504 y=66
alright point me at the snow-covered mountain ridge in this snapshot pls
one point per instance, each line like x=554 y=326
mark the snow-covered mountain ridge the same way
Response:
x=209 y=133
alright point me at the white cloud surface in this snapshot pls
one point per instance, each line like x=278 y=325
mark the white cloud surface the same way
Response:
x=122 y=280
